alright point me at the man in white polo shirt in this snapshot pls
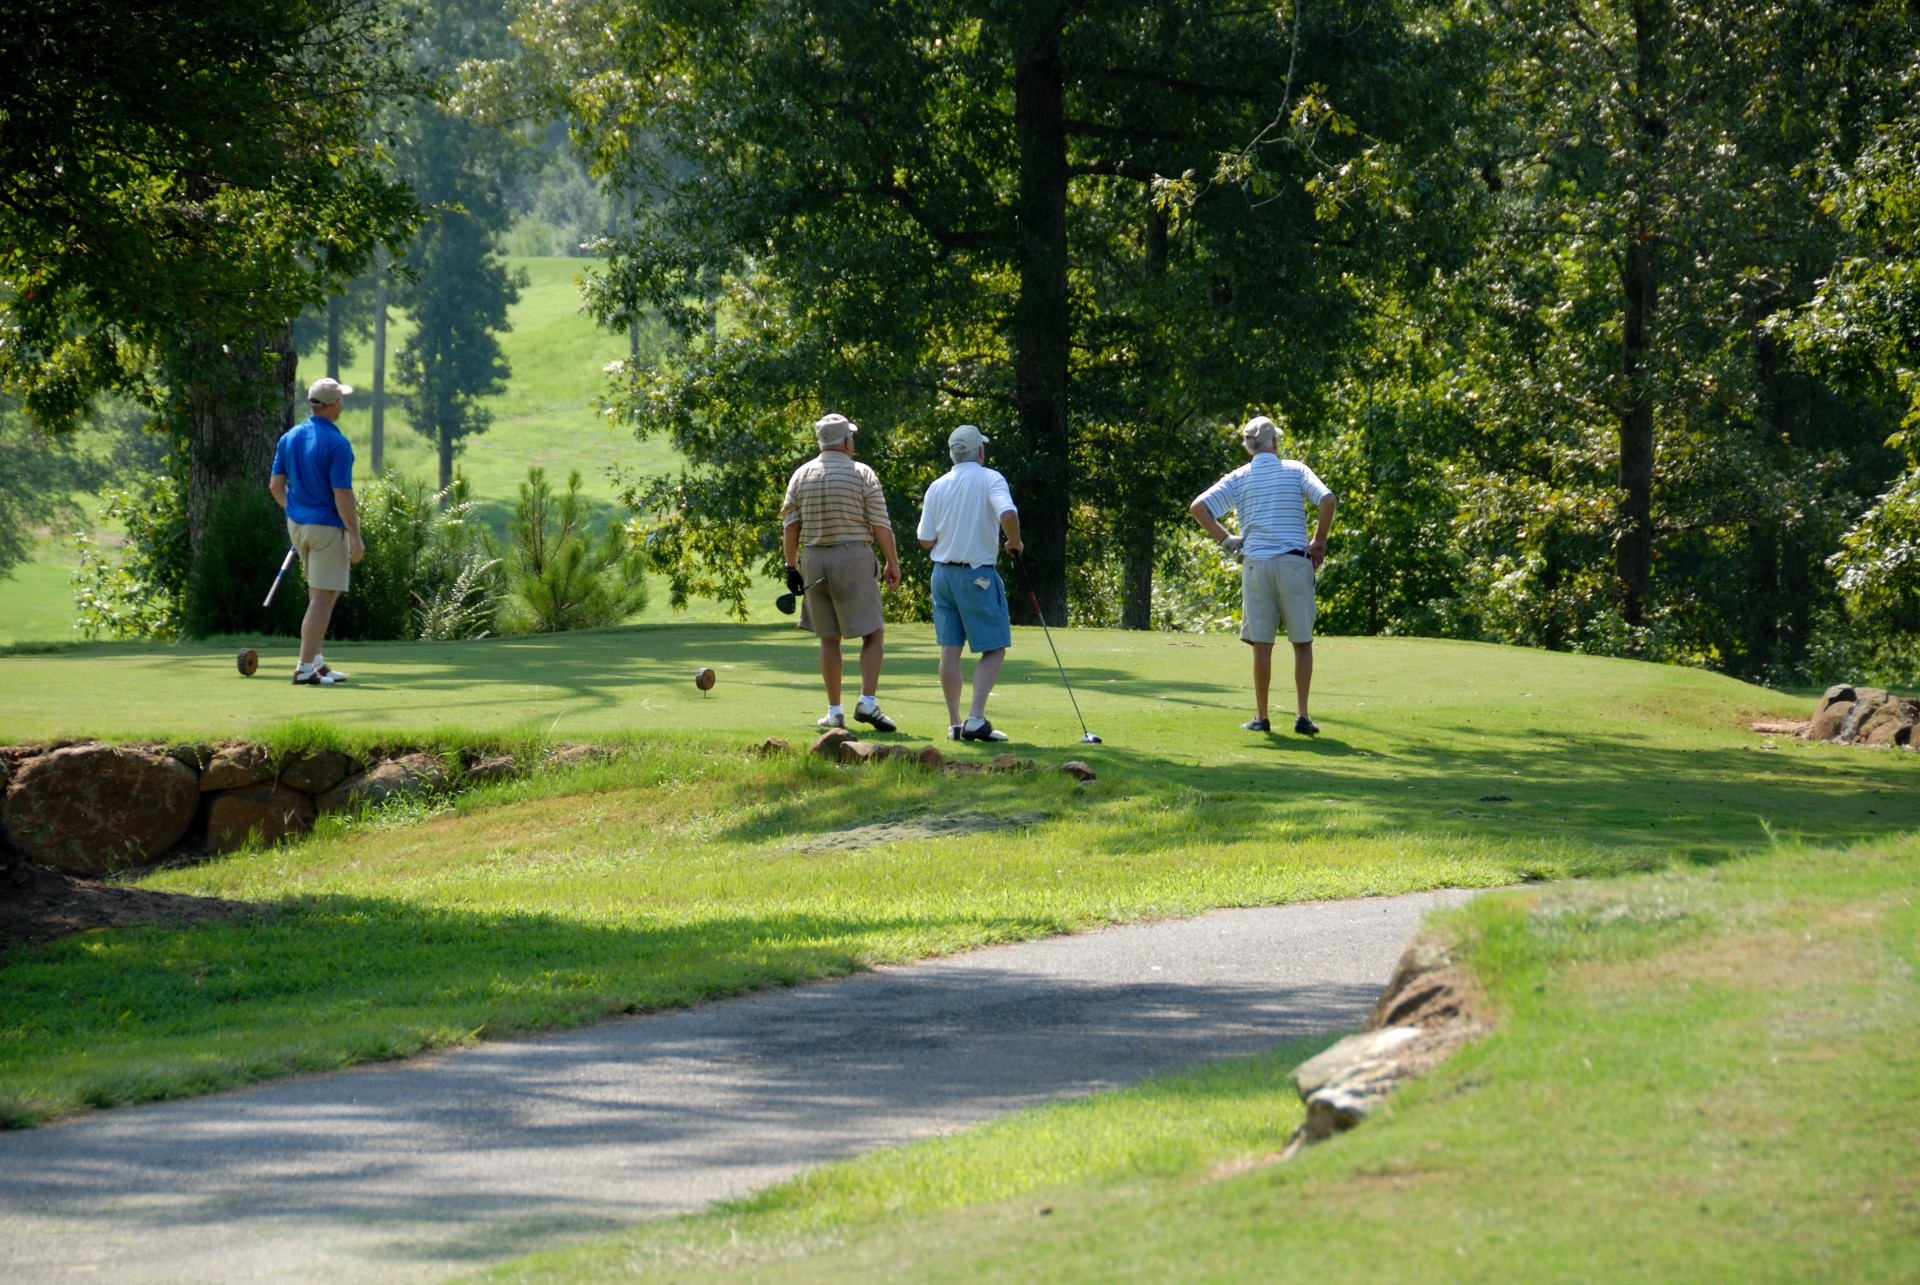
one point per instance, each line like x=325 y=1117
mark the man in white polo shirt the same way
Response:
x=964 y=514
x=1270 y=495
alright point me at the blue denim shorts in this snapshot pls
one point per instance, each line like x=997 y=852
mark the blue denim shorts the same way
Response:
x=970 y=607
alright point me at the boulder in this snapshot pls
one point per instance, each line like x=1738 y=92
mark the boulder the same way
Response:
x=315 y=771
x=1866 y=703
x=1831 y=712
x=87 y=810
x=195 y=754
x=486 y=770
x=772 y=747
x=828 y=746
x=1890 y=724
x=1343 y=1085
x=860 y=752
x=408 y=774
x=931 y=758
x=272 y=811
x=1077 y=770
x=235 y=767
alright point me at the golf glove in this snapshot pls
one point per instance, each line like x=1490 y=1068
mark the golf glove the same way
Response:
x=1232 y=544
x=794 y=583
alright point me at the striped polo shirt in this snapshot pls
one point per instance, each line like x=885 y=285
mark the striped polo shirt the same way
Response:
x=1271 y=496
x=836 y=500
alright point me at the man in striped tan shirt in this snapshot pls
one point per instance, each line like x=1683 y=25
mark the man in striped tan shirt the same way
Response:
x=832 y=516
x=1270 y=495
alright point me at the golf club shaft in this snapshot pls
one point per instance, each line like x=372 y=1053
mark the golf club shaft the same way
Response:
x=1039 y=615
x=278 y=577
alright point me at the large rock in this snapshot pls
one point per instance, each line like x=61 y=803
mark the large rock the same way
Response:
x=1889 y=724
x=235 y=767
x=88 y=810
x=1831 y=714
x=408 y=774
x=1866 y=703
x=315 y=771
x=271 y=811
x=829 y=743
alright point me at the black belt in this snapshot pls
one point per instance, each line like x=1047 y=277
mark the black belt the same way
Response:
x=968 y=565
x=1293 y=553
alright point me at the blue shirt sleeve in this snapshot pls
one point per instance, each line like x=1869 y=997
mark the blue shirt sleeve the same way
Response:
x=340 y=465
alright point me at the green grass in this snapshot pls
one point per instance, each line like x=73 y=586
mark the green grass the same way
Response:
x=672 y=876
x=1697 y=1075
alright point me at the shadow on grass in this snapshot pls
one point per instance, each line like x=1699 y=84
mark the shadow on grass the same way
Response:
x=1630 y=806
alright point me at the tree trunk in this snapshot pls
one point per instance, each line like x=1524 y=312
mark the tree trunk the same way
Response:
x=444 y=440
x=1040 y=319
x=241 y=401
x=379 y=447
x=334 y=306
x=1633 y=549
x=1136 y=573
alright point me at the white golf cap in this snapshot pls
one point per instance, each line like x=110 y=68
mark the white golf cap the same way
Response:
x=964 y=442
x=325 y=392
x=1260 y=434
x=831 y=430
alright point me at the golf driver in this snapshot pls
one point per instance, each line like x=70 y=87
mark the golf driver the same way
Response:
x=275 y=586
x=784 y=603
x=1086 y=737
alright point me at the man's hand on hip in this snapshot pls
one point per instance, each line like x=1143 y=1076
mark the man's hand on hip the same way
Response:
x=1232 y=543
x=1317 y=552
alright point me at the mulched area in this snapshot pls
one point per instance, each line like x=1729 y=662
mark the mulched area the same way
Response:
x=38 y=905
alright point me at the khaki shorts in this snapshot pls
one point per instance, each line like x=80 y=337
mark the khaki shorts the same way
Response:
x=323 y=554
x=848 y=604
x=1273 y=590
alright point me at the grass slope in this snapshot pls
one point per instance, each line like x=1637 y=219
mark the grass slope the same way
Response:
x=1698 y=1075
x=674 y=875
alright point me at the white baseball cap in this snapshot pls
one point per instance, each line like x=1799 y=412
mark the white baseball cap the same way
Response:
x=964 y=441
x=325 y=392
x=831 y=430
x=1260 y=434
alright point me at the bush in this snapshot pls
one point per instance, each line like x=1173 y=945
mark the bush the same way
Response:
x=562 y=579
x=245 y=541
x=429 y=571
x=141 y=594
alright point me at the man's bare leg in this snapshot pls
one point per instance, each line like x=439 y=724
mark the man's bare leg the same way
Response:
x=313 y=625
x=1262 y=676
x=1302 y=676
x=985 y=672
x=873 y=649
x=831 y=667
x=950 y=681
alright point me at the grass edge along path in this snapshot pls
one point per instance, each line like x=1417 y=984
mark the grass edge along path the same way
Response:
x=1698 y=1075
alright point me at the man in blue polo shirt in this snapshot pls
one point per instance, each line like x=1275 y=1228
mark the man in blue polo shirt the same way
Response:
x=313 y=481
x=1270 y=495
x=966 y=513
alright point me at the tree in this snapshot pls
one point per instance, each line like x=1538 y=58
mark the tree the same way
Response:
x=921 y=213
x=452 y=282
x=1652 y=474
x=176 y=184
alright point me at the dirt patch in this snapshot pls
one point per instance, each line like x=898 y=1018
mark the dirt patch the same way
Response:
x=922 y=826
x=37 y=905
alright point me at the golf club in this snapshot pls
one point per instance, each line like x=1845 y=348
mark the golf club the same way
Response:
x=784 y=603
x=1086 y=737
x=275 y=586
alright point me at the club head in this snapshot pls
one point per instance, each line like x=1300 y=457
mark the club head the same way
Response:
x=1089 y=739
x=784 y=604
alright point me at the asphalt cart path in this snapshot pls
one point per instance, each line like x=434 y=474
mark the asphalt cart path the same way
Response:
x=422 y=1170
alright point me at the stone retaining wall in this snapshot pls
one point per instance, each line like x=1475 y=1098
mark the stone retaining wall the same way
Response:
x=89 y=809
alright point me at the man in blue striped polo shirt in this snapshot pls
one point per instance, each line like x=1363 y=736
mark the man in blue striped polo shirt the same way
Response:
x=1278 y=560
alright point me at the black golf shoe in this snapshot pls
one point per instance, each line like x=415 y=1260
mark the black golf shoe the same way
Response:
x=1257 y=725
x=1306 y=726
x=979 y=729
x=868 y=712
